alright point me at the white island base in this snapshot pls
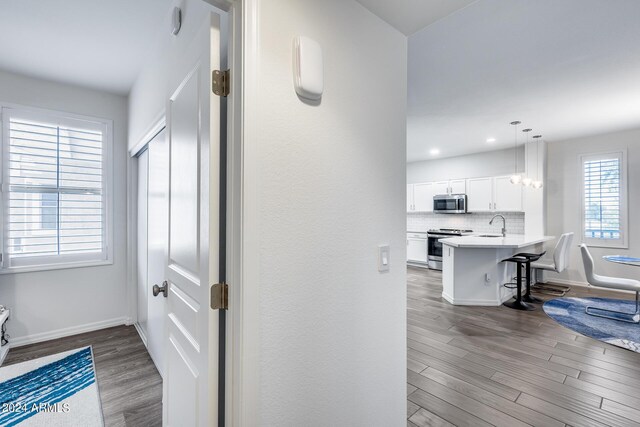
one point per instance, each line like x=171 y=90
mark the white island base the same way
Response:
x=472 y=269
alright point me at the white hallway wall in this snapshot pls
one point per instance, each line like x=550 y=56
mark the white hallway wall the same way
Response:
x=564 y=192
x=58 y=302
x=324 y=186
x=150 y=92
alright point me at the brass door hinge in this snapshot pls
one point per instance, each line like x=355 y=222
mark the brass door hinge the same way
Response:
x=220 y=296
x=220 y=81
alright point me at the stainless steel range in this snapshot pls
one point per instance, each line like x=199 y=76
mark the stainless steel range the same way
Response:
x=434 y=246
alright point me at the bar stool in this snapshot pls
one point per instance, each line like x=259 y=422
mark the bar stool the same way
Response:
x=527 y=297
x=518 y=303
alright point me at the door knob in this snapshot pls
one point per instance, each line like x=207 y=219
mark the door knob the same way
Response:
x=158 y=289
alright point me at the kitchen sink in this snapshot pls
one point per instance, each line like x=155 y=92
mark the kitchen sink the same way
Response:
x=489 y=235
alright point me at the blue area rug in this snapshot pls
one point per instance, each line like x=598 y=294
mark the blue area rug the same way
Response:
x=57 y=390
x=570 y=313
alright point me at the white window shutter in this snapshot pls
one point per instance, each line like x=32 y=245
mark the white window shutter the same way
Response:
x=54 y=184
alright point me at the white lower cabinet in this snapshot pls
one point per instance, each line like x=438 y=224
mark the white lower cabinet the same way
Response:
x=417 y=247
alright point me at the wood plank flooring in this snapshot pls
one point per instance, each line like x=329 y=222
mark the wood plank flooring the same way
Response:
x=129 y=383
x=479 y=366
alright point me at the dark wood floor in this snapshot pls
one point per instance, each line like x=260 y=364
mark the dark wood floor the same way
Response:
x=478 y=366
x=129 y=383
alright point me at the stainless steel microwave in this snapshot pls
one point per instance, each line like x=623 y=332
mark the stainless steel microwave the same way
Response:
x=450 y=203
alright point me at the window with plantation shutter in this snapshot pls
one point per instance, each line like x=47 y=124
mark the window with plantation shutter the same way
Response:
x=54 y=190
x=604 y=199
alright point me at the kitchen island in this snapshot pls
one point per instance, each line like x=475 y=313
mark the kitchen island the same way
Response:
x=472 y=269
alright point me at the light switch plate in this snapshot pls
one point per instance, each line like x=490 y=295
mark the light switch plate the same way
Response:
x=383 y=258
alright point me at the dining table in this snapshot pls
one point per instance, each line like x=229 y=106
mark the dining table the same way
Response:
x=621 y=259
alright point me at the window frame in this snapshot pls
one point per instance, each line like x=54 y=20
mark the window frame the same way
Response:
x=56 y=262
x=623 y=242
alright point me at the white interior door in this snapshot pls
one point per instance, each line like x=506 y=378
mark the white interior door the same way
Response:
x=157 y=226
x=142 y=294
x=191 y=332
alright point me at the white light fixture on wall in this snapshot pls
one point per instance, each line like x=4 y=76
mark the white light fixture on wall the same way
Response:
x=526 y=181
x=516 y=178
x=537 y=183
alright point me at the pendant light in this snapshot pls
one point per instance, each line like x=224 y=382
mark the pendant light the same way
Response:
x=526 y=181
x=515 y=178
x=537 y=183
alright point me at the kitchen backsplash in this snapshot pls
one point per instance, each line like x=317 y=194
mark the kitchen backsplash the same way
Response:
x=478 y=222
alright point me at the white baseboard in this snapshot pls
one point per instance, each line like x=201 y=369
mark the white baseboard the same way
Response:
x=479 y=303
x=143 y=336
x=417 y=265
x=66 y=332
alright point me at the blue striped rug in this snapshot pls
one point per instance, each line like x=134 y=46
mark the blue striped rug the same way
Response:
x=570 y=313
x=58 y=390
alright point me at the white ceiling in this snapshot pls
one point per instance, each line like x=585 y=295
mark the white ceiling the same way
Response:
x=409 y=16
x=564 y=68
x=99 y=44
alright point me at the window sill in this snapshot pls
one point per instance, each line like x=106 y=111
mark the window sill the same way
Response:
x=604 y=245
x=49 y=267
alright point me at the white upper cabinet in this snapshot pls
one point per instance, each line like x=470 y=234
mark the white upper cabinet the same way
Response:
x=458 y=186
x=507 y=196
x=441 y=187
x=480 y=195
x=423 y=197
x=483 y=194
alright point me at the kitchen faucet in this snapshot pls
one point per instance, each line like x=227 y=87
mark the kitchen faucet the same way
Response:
x=504 y=224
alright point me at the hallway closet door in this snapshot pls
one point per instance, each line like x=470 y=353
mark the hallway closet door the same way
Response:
x=158 y=229
x=142 y=291
x=153 y=223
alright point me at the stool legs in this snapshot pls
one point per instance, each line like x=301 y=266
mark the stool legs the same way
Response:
x=518 y=304
x=527 y=295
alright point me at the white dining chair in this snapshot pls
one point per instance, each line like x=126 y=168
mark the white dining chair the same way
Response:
x=611 y=283
x=558 y=263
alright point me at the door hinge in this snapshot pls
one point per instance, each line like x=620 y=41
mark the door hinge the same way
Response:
x=220 y=296
x=220 y=81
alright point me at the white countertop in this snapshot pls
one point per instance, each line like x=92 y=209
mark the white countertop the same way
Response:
x=515 y=241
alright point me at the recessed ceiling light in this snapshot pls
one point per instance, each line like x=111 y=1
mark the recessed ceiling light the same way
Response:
x=434 y=151
x=491 y=140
